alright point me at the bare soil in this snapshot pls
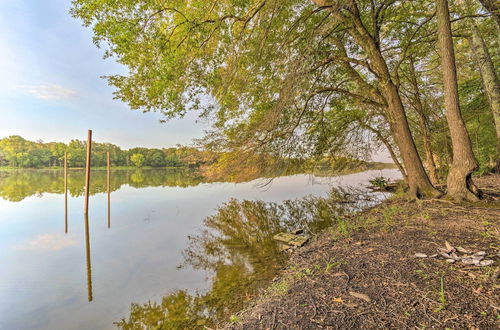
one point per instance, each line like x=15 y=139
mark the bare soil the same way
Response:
x=366 y=276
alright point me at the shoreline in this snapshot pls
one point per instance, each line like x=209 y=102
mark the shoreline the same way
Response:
x=365 y=274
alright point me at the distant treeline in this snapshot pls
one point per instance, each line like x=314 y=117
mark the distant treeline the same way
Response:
x=18 y=152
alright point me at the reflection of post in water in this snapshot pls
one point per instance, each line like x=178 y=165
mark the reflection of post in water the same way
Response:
x=87 y=254
x=109 y=190
x=65 y=192
x=87 y=172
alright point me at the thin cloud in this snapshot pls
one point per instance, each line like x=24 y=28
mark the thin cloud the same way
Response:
x=50 y=92
x=49 y=242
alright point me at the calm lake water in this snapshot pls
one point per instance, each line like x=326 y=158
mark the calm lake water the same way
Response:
x=171 y=238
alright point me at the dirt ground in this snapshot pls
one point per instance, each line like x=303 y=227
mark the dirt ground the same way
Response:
x=365 y=275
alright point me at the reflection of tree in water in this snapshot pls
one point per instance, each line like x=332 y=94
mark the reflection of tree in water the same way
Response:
x=236 y=247
x=18 y=184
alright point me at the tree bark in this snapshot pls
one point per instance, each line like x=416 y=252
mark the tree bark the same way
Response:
x=490 y=80
x=424 y=126
x=459 y=182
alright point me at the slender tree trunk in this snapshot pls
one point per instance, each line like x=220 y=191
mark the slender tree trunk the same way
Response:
x=490 y=80
x=389 y=147
x=460 y=186
x=424 y=126
x=396 y=160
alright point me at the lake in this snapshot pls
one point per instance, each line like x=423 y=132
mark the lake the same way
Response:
x=195 y=250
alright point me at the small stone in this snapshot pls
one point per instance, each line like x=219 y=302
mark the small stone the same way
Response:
x=420 y=255
x=433 y=255
x=450 y=261
x=291 y=239
x=480 y=253
x=469 y=261
x=485 y=263
x=361 y=296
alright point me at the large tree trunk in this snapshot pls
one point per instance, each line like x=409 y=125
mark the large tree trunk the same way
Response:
x=418 y=181
x=460 y=186
x=424 y=126
x=490 y=80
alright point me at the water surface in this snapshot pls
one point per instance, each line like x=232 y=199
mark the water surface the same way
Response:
x=88 y=277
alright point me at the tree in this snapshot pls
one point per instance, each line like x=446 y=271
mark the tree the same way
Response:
x=423 y=122
x=489 y=78
x=137 y=159
x=272 y=69
x=459 y=181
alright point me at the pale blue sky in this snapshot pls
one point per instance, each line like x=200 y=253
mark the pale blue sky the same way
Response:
x=50 y=85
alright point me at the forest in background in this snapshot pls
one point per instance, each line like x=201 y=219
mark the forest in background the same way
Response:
x=17 y=152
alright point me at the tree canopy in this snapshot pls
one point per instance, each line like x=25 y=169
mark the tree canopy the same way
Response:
x=301 y=78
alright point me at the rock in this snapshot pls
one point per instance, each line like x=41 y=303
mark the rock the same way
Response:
x=470 y=261
x=361 y=296
x=284 y=247
x=480 y=253
x=420 y=255
x=291 y=239
x=486 y=263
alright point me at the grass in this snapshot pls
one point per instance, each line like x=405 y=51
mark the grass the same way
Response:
x=278 y=288
x=442 y=298
x=282 y=286
x=234 y=319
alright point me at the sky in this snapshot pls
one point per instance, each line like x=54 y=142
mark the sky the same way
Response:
x=51 y=90
x=50 y=85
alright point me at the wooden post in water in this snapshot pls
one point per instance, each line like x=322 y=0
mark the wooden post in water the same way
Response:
x=65 y=192
x=87 y=171
x=109 y=188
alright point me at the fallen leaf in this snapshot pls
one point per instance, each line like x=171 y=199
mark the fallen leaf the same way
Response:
x=420 y=255
x=361 y=296
x=338 y=300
